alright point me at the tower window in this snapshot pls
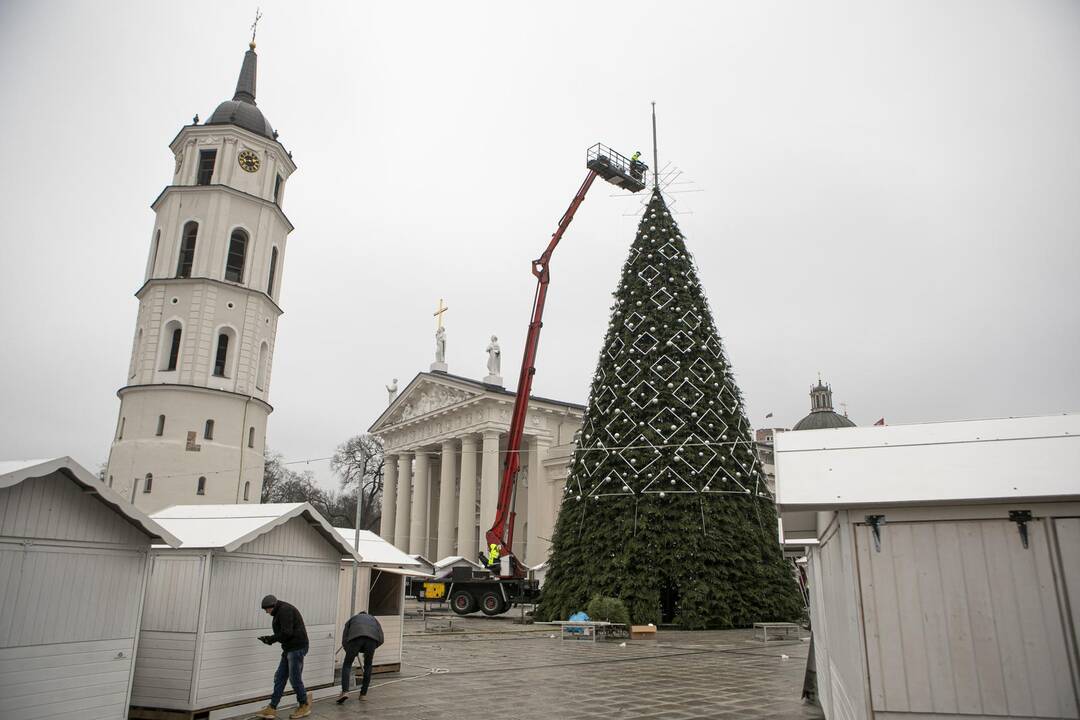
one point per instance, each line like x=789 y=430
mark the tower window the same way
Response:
x=148 y=484
x=260 y=372
x=234 y=264
x=174 y=348
x=200 y=488
x=277 y=190
x=207 y=158
x=208 y=431
x=187 y=250
x=247 y=490
x=160 y=425
x=120 y=434
x=110 y=481
x=251 y=437
x=222 y=356
x=273 y=271
x=153 y=253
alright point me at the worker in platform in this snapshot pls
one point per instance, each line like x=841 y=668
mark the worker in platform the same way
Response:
x=289 y=630
x=361 y=636
x=493 y=555
x=637 y=168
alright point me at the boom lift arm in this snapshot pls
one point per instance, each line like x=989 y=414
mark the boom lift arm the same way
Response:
x=616 y=169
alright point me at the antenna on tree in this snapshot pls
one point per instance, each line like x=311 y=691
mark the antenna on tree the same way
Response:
x=655 y=156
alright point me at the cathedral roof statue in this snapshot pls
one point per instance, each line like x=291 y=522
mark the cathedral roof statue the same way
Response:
x=241 y=110
x=822 y=414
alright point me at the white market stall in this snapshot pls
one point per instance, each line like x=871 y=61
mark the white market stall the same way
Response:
x=380 y=591
x=946 y=578
x=198 y=649
x=73 y=567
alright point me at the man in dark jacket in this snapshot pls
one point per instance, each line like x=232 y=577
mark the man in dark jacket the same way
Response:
x=289 y=630
x=362 y=634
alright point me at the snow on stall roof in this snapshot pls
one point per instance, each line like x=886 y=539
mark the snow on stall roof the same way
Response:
x=375 y=551
x=930 y=463
x=13 y=472
x=456 y=559
x=230 y=526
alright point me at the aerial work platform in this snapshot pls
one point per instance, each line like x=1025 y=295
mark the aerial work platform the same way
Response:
x=616 y=169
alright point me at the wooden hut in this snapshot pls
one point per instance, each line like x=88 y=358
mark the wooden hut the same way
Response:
x=380 y=590
x=199 y=647
x=945 y=576
x=73 y=567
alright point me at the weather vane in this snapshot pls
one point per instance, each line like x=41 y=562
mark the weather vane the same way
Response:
x=254 y=26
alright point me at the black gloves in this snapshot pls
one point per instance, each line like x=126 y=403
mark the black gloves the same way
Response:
x=268 y=639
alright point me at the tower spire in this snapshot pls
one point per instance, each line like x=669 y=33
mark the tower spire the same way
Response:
x=245 y=84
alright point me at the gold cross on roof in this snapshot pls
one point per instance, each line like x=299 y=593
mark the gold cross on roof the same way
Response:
x=439 y=313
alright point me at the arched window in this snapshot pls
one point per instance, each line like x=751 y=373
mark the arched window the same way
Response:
x=247 y=490
x=148 y=485
x=221 y=358
x=251 y=437
x=260 y=372
x=234 y=263
x=208 y=431
x=273 y=271
x=187 y=250
x=200 y=488
x=120 y=432
x=160 y=425
x=153 y=253
x=173 y=334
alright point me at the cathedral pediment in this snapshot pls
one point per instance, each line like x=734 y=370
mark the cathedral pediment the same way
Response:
x=425 y=395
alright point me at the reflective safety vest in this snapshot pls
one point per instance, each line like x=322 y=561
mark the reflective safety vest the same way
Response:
x=493 y=554
x=635 y=157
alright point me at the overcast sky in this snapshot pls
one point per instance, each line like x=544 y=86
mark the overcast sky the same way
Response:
x=890 y=195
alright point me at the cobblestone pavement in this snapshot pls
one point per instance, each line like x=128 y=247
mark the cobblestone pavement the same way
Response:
x=495 y=669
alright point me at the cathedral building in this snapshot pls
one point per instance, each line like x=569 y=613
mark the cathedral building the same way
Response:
x=193 y=410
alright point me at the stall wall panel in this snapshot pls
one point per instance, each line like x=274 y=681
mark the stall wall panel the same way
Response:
x=55 y=508
x=40 y=607
x=295 y=538
x=1068 y=540
x=960 y=618
x=389 y=653
x=173 y=592
x=236 y=666
x=163 y=669
x=238 y=584
x=87 y=680
x=836 y=625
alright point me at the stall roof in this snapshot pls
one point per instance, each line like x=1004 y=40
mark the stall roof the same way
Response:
x=456 y=560
x=377 y=552
x=13 y=472
x=227 y=527
x=931 y=463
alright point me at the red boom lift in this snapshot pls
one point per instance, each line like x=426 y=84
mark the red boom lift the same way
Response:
x=504 y=586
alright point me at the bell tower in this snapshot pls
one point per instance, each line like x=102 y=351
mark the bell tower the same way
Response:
x=193 y=411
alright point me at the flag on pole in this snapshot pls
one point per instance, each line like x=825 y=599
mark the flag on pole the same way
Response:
x=880 y=422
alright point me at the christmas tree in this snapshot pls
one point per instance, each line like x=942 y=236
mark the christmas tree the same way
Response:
x=665 y=505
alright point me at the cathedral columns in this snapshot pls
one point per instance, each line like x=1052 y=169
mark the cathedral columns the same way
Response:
x=447 y=501
x=466 y=533
x=404 y=498
x=540 y=512
x=489 y=485
x=418 y=534
x=389 y=493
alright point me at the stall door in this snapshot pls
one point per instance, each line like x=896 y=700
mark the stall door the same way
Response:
x=961 y=619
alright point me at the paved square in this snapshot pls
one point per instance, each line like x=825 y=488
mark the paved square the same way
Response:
x=498 y=670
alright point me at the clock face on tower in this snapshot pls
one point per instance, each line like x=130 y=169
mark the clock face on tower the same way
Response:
x=248 y=160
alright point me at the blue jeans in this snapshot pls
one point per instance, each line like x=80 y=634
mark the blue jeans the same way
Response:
x=290 y=668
